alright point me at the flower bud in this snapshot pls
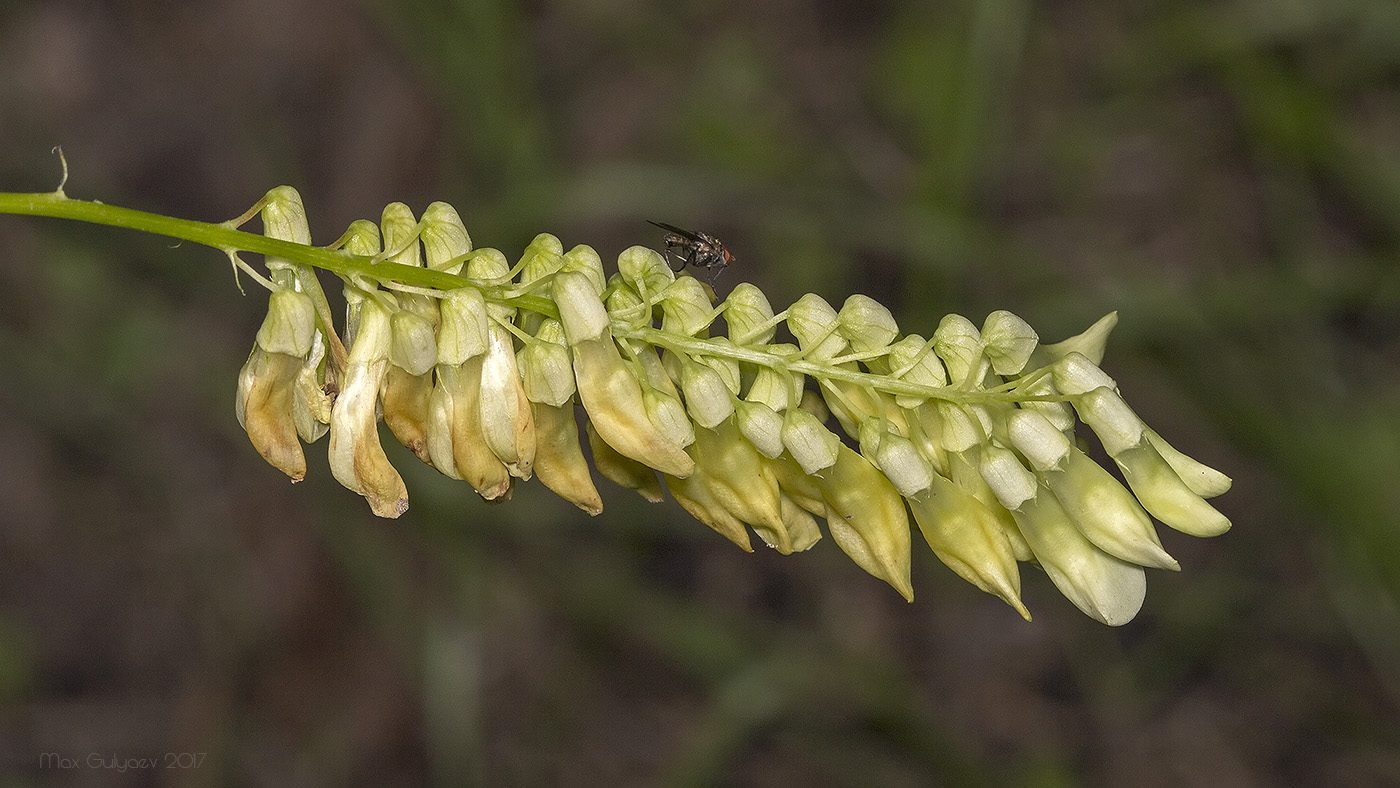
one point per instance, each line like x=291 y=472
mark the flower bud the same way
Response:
x=581 y=307
x=959 y=344
x=1039 y=441
x=686 y=308
x=356 y=458
x=582 y=259
x=867 y=518
x=852 y=403
x=414 y=347
x=462 y=333
x=626 y=305
x=1117 y=426
x=541 y=258
x=1103 y=587
x=762 y=426
x=400 y=232
x=727 y=368
x=284 y=218
x=912 y=359
x=1009 y=342
x=445 y=239
x=668 y=415
x=1075 y=374
x=290 y=325
x=778 y=389
x=490 y=265
x=707 y=397
x=559 y=460
x=962 y=430
x=360 y=238
x=623 y=470
x=546 y=367
x=749 y=316
x=925 y=427
x=897 y=458
x=1059 y=414
x=655 y=372
x=814 y=323
x=866 y=324
x=810 y=443
x=645 y=270
x=1008 y=478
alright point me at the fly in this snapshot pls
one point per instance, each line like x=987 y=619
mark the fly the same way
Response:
x=701 y=250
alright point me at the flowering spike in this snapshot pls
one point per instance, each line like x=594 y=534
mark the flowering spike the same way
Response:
x=478 y=367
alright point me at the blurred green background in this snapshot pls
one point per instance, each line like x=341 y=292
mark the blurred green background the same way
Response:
x=1224 y=174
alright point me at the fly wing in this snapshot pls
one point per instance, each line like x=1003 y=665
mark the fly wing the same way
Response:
x=678 y=231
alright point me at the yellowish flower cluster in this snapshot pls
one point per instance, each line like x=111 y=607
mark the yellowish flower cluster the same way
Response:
x=971 y=430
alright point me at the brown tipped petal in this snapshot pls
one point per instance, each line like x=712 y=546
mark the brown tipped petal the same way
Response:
x=264 y=406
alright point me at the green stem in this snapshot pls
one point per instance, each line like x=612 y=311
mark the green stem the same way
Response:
x=225 y=237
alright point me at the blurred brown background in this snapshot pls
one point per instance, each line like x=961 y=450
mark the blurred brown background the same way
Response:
x=1225 y=174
